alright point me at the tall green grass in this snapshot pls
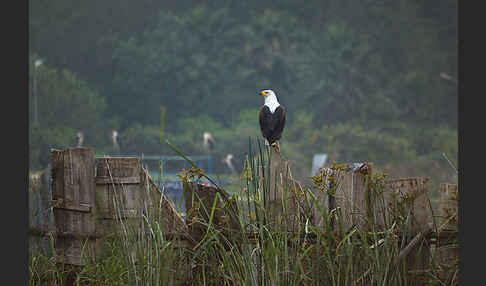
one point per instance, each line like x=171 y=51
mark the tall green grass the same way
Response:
x=256 y=250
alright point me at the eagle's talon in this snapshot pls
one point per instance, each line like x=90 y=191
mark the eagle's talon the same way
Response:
x=276 y=145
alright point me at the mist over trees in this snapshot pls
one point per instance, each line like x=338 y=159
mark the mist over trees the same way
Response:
x=361 y=80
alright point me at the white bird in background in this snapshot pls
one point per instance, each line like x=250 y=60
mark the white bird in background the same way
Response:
x=80 y=138
x=228 y=160
x=114 y=141
x=208 y=141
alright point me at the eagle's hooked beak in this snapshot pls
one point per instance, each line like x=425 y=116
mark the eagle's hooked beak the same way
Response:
x=264 y=93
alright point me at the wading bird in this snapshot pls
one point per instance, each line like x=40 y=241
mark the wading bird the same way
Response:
x=79 y=138
x=208 y=141
x=114 y=142
x=228 y=161
x=272 y=119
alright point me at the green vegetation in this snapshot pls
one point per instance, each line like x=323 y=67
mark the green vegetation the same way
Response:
x=361 y=81
x=325 y=253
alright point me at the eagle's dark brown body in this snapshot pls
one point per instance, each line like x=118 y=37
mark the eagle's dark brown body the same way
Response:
x=272 y=124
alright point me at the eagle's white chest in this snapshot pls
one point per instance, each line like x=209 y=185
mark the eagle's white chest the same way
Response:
x=272 y=103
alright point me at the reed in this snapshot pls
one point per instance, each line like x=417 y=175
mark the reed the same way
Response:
x=262 y=250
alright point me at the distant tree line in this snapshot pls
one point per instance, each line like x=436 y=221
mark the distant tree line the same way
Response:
x=361 y=74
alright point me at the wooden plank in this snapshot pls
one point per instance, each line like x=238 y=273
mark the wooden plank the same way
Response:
x=446 y=254
x=409 y=196
x=117 y=180
x=73 y=192
x=113 y=167
x=413 y=243
x=121 y=215
x=134 y=196
x=119 y=193
x=80 y=208
x=447 y=213
x=74 y=250
x=163 y=209
x=41 y=221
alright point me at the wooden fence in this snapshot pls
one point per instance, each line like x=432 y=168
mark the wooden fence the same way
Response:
x=88 y=197
x=81 y=196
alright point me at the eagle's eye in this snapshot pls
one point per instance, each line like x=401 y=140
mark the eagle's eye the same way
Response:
x=264 y=92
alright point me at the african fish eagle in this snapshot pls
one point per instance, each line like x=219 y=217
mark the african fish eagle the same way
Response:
x=272 y=119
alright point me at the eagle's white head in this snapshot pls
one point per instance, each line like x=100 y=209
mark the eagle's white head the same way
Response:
x=270 y=99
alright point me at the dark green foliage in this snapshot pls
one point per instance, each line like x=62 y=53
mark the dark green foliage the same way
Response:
x=371 y=60
x=368 y=70
x=66 y=104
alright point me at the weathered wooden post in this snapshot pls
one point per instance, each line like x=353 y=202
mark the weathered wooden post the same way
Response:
x=447 y=216
x=73 y=204
x=446 y=254
x=199 y=200
x=209 y=208
x=344 y=188
x=409 y=197
x=41 y=221
x=280 y=191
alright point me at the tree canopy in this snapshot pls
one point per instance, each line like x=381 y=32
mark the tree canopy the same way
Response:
x=359 y=78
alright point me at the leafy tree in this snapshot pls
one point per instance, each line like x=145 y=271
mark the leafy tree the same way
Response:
x=368 y=70
x=65 y=105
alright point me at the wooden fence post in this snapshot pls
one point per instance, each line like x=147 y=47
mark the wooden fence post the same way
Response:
x=199 y=200
x=41 y=221
x=282 y=190
x=73 y=204
x=409 y=197
x=446 y=254
x=345 y=188
x=447 y=216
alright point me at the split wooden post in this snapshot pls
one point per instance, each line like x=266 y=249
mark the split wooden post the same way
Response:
x=73 y=205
